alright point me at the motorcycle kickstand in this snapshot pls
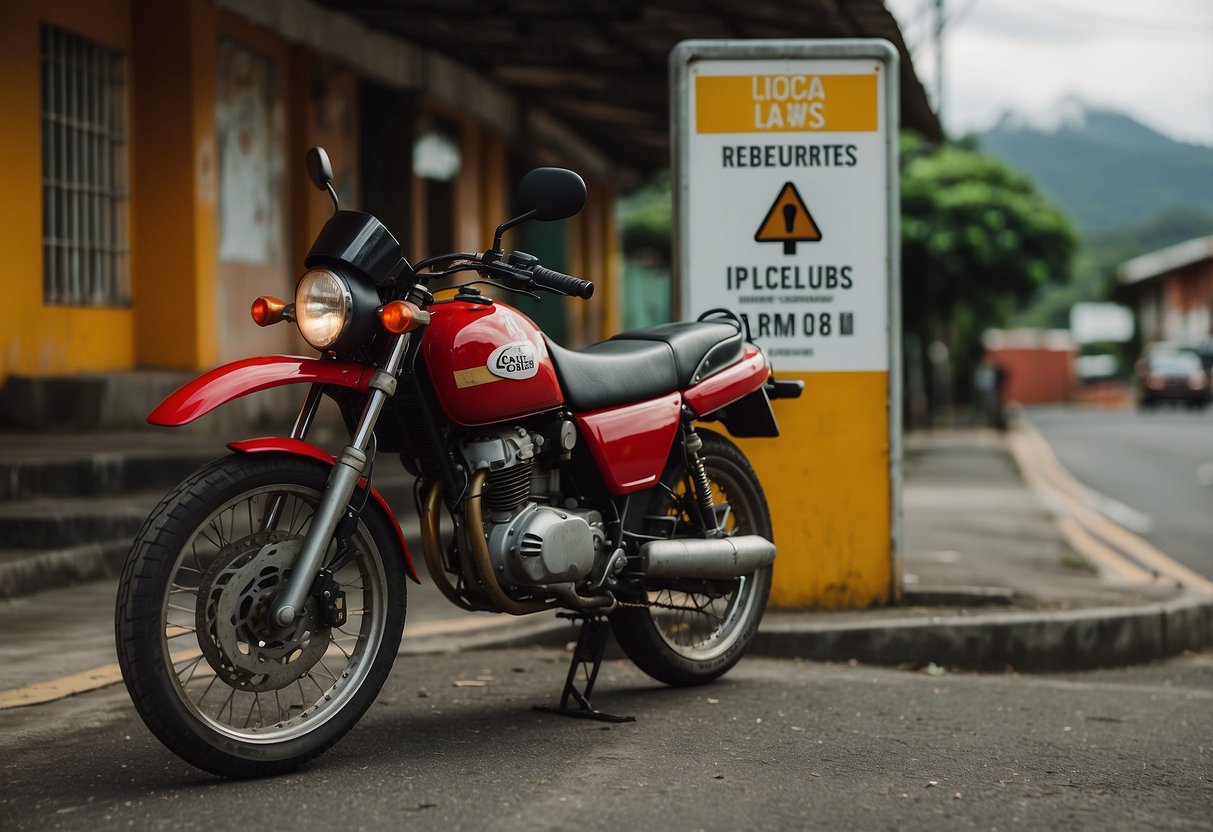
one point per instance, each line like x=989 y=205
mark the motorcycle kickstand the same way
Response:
x=587 y=658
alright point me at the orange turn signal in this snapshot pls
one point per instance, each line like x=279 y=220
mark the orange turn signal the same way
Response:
x=267 y=310
x=400 y=316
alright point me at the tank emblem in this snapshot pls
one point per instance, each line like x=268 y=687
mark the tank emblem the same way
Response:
x=516 y=360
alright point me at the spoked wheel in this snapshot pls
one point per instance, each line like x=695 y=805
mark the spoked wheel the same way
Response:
x=214 y=678
x=686 y=632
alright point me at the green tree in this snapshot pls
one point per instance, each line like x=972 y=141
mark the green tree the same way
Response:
x=978 y=239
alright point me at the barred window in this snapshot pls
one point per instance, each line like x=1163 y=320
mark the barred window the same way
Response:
x=84 y=172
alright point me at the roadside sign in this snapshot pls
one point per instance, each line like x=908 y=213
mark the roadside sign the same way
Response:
x=786 y=205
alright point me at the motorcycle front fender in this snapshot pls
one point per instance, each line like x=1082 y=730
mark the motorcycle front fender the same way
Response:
x=231 y=381
x=281 y=444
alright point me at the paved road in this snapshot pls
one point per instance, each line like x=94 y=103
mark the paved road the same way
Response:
x=775 y=745
x=1159 y=464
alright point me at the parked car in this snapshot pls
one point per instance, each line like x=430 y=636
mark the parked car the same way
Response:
x=1172 y=376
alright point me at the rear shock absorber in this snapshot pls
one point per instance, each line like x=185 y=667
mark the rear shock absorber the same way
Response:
x=703 y=487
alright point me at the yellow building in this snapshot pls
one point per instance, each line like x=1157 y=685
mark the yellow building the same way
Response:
x=156 y=182
x=153 y=153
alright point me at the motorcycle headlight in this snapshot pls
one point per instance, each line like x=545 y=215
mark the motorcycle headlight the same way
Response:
x=323 y=307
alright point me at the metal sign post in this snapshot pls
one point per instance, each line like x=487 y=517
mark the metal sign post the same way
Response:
x=786 y=209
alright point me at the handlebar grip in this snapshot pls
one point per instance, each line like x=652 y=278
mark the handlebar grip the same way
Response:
x=563 y=283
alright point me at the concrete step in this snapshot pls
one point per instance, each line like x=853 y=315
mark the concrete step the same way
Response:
x=98 y=474
x=47 y=542
x=24 y=571
x=59 y=523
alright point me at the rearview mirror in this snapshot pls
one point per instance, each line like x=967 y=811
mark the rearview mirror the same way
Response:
x=319 y=170
x=552 y=193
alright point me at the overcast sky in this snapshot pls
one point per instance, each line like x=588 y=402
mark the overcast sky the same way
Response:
x=1152 y=59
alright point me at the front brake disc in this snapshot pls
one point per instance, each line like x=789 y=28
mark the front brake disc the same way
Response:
x=235 y=601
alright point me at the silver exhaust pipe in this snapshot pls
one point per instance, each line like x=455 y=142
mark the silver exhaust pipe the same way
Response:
x=718 y=558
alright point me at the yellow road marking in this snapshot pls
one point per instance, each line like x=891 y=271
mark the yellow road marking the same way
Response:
x=1042 y=468
x=1074 y=534
x=1102 y=555
x=40 y=692
x=100 y=677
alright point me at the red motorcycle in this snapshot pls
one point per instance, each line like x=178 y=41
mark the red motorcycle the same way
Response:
x=263 y=601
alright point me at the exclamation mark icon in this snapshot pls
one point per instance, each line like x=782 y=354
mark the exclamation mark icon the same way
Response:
x=789 y=220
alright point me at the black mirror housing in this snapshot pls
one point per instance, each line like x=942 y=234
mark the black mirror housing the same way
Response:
x=551 y=194
x=319 y=169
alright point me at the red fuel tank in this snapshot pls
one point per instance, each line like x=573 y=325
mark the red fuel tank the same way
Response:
x=488 y=362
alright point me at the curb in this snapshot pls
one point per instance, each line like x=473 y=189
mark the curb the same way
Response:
x=1024 y=642
x=1055 y=641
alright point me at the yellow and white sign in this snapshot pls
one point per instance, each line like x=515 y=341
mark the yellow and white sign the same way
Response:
x=786 y=204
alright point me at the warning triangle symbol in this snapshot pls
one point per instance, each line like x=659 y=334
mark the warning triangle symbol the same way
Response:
x=788 y=222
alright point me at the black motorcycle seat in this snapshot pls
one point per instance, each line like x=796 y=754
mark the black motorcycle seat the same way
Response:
x=645 y=363
x=613 y=372
x=700 y=348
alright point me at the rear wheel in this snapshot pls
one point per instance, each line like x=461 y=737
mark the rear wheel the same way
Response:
x=691 y=632
x=211 y=675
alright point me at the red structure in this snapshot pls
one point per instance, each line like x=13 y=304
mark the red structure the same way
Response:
x=1039 y=363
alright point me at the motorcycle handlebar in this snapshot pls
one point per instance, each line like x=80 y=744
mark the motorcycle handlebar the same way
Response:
x=515 y=275
x=563 y=283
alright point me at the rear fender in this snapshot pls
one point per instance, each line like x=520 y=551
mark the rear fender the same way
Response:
x=231 y=381
x=735 y=384
x=280 y=444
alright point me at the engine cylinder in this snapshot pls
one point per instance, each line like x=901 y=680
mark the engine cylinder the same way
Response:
x=509 y=489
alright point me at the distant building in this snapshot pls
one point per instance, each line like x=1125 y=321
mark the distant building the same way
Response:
x=1171 y=291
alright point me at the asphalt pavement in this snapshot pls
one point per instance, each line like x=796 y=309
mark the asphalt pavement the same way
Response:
x=776 y=744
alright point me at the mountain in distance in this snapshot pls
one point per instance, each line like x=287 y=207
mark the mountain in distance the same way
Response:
x=1102 y=167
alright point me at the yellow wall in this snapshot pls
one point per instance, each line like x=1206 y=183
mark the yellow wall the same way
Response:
x=184 y=299
x=37 y=339
x=174 y=179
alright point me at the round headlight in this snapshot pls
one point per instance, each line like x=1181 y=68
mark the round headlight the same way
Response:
x=323 y=307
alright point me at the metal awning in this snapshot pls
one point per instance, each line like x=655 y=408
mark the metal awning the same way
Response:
x=599 y=67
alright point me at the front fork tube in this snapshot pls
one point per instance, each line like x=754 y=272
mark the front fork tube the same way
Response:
x=347 y=470
x=303 y=423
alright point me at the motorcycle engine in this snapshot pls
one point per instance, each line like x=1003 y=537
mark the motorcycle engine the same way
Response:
x=533 y=539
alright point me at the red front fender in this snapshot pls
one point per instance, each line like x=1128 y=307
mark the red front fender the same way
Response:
x=231 y=381
x=280 y=444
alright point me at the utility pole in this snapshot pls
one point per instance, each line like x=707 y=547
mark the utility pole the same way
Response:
x=939 y=24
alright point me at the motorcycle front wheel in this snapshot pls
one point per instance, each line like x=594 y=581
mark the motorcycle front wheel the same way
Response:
x=691 y=632
x=209 y=673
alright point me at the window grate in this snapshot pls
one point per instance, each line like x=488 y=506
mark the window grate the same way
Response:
x=85 y=194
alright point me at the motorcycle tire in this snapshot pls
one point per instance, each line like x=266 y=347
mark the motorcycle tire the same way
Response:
x=210 y=676
x=683 y=638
